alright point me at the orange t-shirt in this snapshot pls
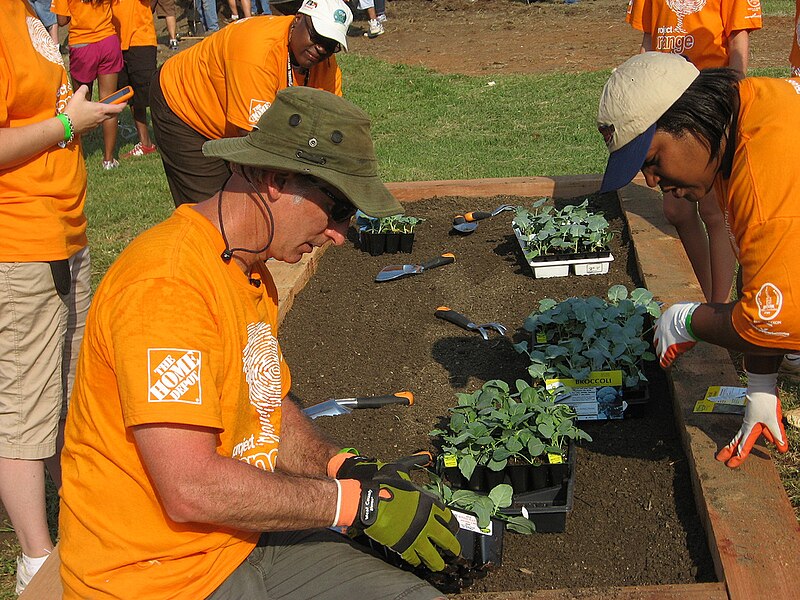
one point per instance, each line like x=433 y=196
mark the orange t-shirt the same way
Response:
x=794 y=55
x=759 y=202
x=698 y=30
x=91 y=21
x=174 y=335
x=133 y=20
x=228 y=80
x=41 y=199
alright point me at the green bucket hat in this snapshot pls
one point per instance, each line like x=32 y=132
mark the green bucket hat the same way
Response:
x=314 y=132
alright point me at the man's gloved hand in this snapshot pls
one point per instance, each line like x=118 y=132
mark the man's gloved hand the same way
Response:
x=411 y=522
x=762 y=414
x=351 y=466
x=673 y=332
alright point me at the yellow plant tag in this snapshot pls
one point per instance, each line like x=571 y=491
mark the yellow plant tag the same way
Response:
x=704 y=406
x=554 y=459
x=541 y=337
x=450 y=460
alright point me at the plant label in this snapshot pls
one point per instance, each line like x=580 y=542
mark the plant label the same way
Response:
x=470 y=523
x=722 y=399
x=598 y=397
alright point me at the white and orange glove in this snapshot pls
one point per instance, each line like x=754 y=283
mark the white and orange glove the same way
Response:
x=673 y=332
x=762 y=414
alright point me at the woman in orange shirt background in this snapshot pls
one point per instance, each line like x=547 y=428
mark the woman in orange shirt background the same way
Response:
x=714 y=33
x=94 y=53
x=44 y=266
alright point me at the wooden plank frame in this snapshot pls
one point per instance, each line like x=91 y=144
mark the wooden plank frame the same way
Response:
x=752 y=531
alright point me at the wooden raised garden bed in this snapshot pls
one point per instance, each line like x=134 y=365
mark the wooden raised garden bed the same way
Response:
x=744 y=515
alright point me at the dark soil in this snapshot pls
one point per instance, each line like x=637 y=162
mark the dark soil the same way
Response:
x=634 y=520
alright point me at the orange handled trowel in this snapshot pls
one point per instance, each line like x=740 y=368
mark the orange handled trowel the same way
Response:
x=343 y=406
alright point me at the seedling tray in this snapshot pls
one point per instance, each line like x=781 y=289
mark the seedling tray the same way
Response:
x=561 y=265
x=548 y=508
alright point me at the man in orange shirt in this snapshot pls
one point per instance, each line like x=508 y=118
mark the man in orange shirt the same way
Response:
x=133 y=21
x=692 y=131
x=713 y=33
x=188 y=472
x=220 y=87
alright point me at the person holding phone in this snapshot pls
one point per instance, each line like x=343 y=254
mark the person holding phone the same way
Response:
x=221 y=86
x=44 y=266
x=94 y=53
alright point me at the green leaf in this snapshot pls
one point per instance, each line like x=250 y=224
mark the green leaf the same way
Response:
x=520 y=525
x=496 y=465
x=535 y=447
x=483 y=508
x=467 y=465
x=501 y=495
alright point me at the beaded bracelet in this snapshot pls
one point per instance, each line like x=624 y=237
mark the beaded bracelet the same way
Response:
x=69 y=133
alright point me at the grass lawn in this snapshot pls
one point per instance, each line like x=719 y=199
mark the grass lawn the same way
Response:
x=426 y=126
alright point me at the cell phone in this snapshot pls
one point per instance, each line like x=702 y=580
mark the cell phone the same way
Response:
x=118 y=96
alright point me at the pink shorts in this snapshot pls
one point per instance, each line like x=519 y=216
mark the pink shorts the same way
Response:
x=100 y=58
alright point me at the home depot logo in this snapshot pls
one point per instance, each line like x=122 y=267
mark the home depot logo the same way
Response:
x=173 y=375
x=257 y=108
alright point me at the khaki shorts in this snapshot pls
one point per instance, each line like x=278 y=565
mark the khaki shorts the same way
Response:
x=40 y=336
x=321 y=565
x=165 y=8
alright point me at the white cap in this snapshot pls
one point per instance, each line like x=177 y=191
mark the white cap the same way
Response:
x=634 y=98
x=331 y=18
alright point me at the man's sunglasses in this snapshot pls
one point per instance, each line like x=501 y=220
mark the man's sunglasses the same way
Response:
x=342 y=210
x=330 y=46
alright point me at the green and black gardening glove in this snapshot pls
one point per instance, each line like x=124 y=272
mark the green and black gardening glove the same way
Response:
x=411 y=522
x=348 y=465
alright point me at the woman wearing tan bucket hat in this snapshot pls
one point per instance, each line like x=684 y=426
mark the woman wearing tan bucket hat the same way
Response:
x=692 y=131
x=221 y=86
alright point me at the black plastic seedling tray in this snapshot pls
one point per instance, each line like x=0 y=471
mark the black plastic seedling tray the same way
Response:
x=548 y=507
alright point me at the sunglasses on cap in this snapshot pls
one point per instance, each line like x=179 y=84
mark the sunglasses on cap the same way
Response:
x=342 y=210
x=330 y=46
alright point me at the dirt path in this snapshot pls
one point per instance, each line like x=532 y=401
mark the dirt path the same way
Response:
x=479 y=37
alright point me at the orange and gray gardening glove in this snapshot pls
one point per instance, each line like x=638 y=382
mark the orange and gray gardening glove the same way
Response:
x=673 y=332
x=400 y=516
x=762 y=414
x=349 y=465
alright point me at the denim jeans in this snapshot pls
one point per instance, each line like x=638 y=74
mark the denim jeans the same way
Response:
x=207 y=13
x=264 y=4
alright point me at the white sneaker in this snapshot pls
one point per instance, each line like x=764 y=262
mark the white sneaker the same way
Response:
x=108 y=165
x=790 y=366
x=26 y=568
x=375 y=28
x=382 y=18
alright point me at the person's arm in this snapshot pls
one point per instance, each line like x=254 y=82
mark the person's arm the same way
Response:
x=713 y=323
x=683 y=324
x=739 y=50
x=647 y=43
x=63 y=20
x=18 y=144
x=195 y=484
x=304 y=450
